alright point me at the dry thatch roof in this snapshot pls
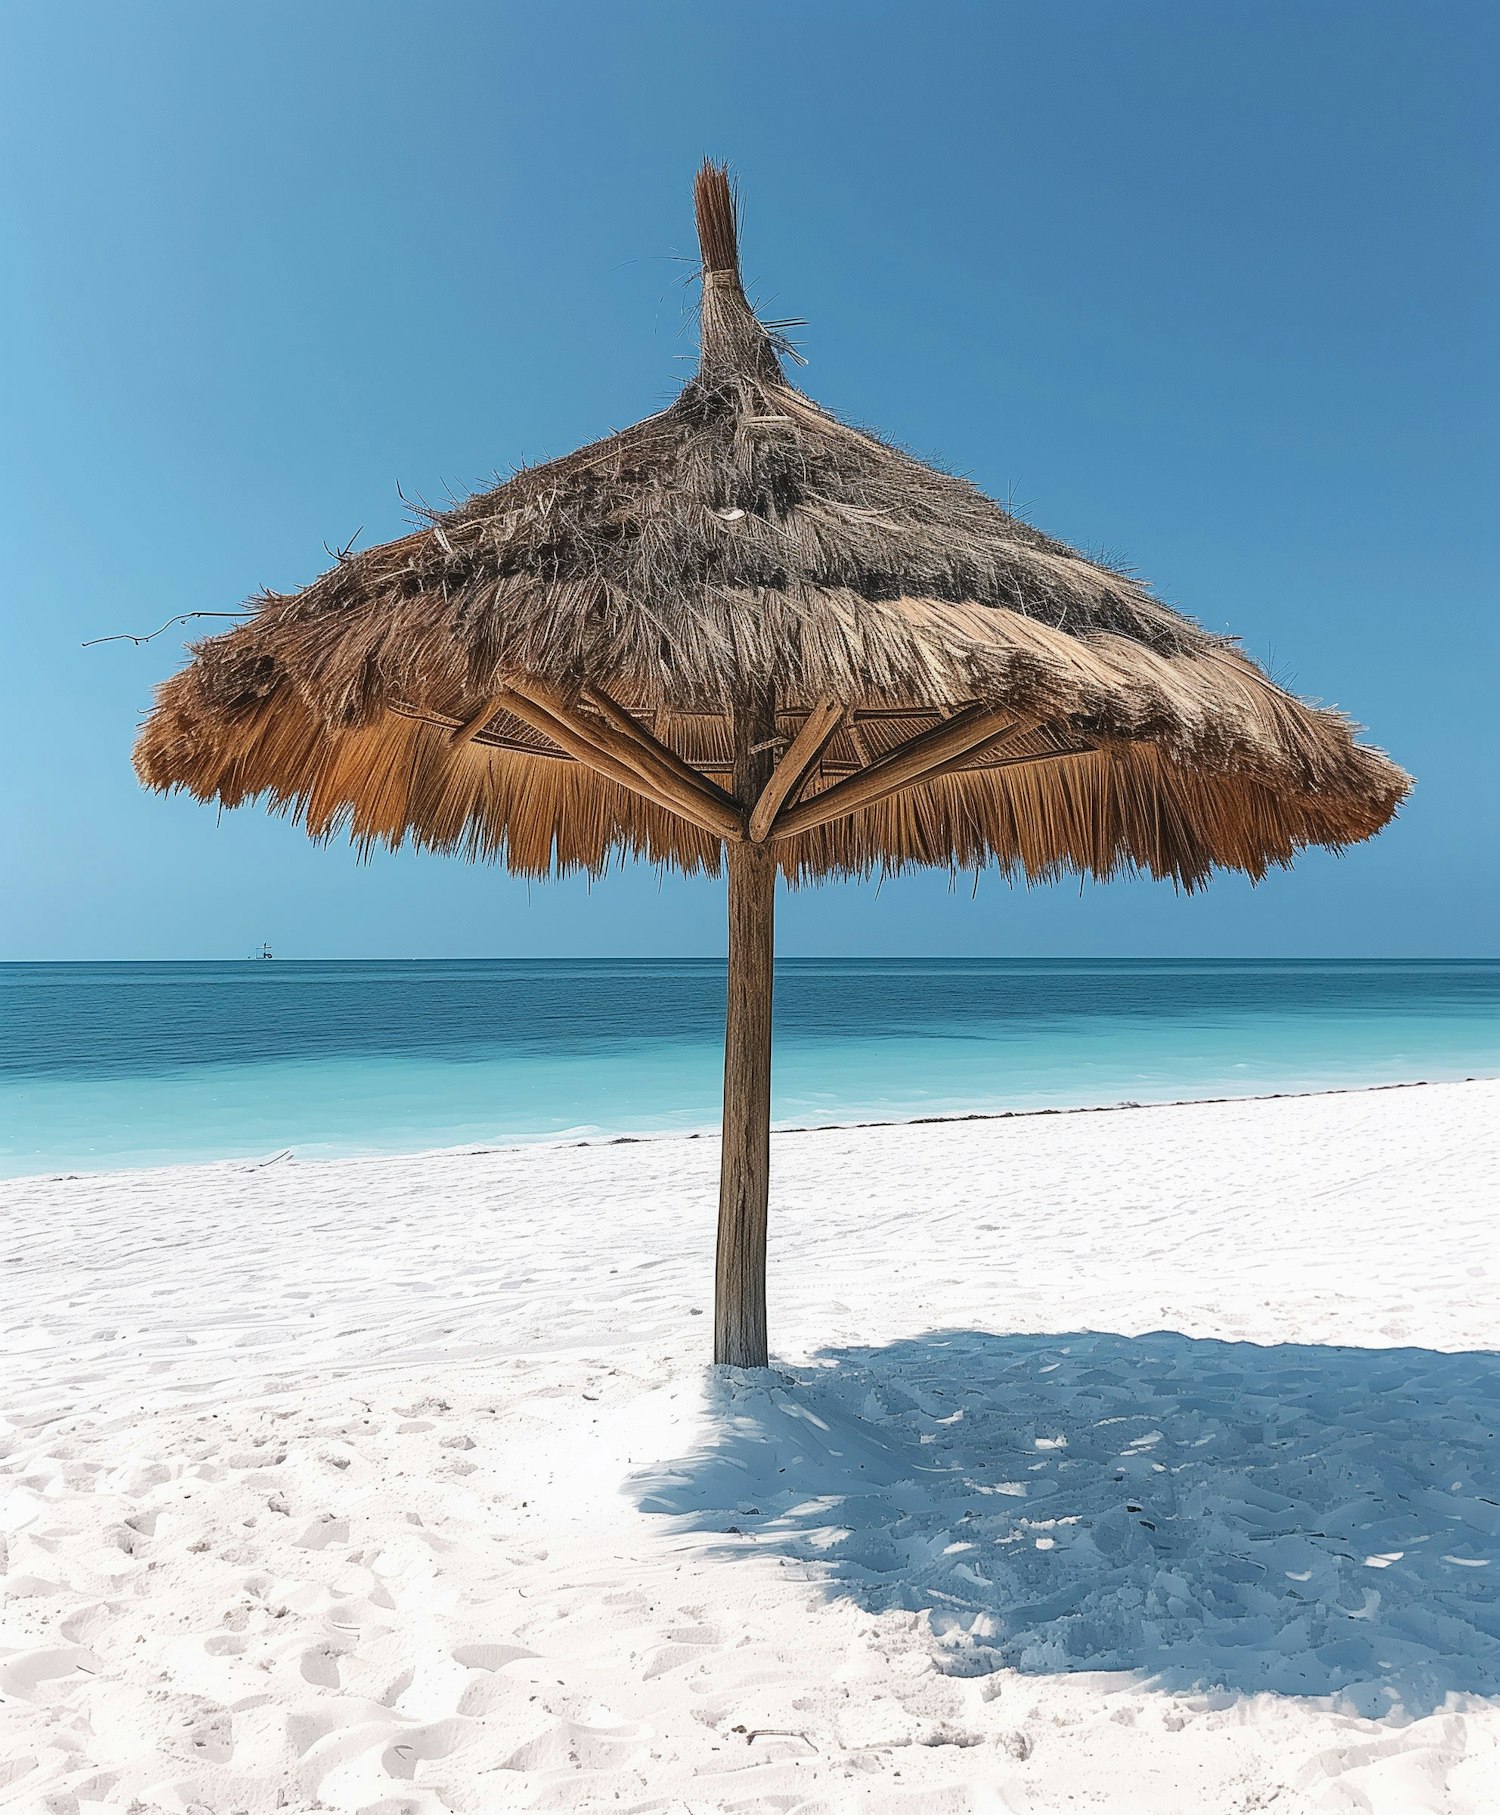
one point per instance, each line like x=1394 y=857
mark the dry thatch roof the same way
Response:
x=554 y=670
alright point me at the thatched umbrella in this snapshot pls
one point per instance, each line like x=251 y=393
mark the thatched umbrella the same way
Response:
x=744 y=635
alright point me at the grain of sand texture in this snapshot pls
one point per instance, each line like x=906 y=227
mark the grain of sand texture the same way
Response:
x=1132 y=1461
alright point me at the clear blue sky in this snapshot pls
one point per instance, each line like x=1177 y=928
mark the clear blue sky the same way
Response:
x=1209 y=287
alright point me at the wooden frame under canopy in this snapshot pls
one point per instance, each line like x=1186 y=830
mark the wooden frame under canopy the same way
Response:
x=743 y=636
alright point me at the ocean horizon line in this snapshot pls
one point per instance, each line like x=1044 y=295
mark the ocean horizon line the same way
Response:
x=781 y=958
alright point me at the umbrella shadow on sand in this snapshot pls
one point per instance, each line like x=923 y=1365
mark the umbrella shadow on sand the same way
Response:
x=1290 y=1518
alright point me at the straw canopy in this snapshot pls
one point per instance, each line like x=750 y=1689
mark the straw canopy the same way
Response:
x=572 y=666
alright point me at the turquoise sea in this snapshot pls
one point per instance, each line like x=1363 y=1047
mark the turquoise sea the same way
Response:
x=105 y=1065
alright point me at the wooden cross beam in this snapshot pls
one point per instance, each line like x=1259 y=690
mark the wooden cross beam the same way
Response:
x=636 y=762
x=653 y=756
x=617 y=746
x=471 y=727
x=920 y=759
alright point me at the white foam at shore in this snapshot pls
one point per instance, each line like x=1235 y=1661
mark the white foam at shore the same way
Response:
x=399 y=1484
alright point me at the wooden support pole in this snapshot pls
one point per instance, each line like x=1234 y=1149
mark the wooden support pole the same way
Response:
x=745 y=1157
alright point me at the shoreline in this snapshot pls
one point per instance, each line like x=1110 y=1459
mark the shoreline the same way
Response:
x=569 y=1143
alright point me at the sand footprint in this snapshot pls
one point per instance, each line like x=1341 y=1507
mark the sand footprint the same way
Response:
x=23 y=1674
x=692 y=1635
x=210 y=1733
x=669 y=1658
x=320 y=1666
x=356 y=1765
x=82 y=1627
x=402 y=1756
x=604 y=1743
x=490 y=1656
x=326 y=1529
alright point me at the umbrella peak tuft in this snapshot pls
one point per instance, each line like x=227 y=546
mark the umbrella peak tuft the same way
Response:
x=732 y=343
x=718 y=209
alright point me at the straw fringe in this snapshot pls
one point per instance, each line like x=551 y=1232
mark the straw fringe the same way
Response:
x=1121 y=809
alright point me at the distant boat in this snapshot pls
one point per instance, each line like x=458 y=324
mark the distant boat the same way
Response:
x=264 y=952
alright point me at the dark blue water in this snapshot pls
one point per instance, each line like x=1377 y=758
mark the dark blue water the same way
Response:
x=134 y=1064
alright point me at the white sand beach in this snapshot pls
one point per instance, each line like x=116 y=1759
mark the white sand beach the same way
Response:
x=1133 y=1461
